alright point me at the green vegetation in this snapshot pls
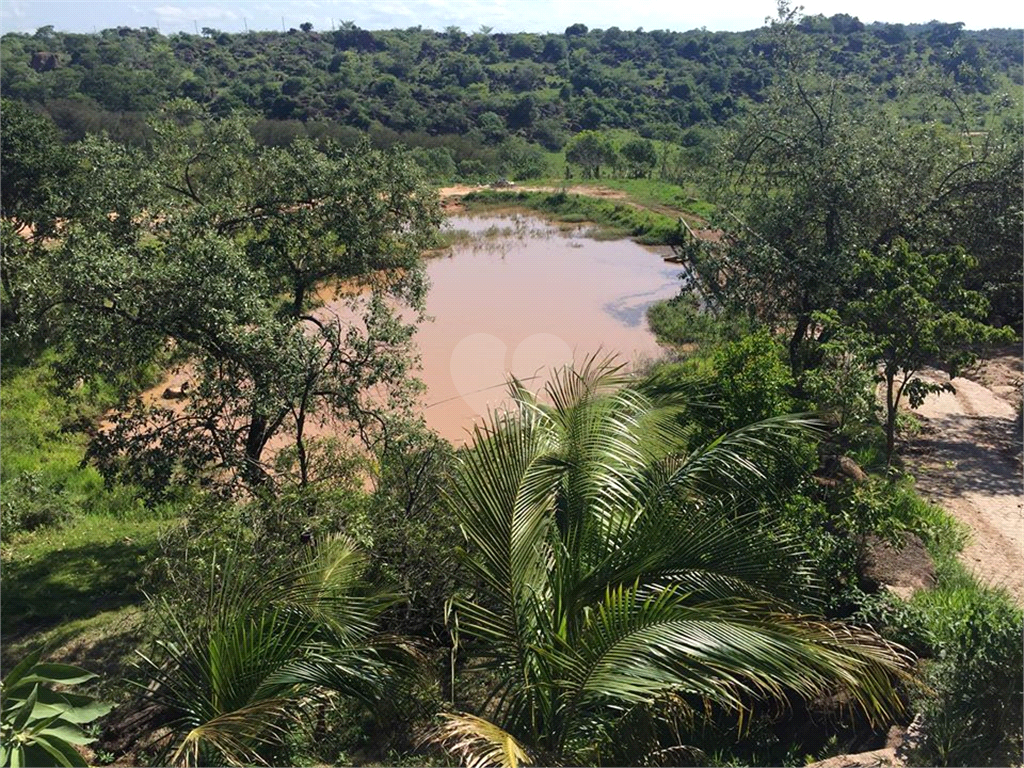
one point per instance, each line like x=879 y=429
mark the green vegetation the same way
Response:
x=667 y=567
x=613 y=219
x=41 y=724
x=620 y=593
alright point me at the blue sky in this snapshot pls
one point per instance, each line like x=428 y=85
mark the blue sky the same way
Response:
x=502 y=15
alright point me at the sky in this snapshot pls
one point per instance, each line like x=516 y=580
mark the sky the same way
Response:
x=501 y=15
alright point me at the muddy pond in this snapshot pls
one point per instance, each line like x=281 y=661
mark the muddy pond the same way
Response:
x=521 y=296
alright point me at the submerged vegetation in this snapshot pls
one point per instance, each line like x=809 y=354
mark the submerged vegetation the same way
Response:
x=273 y=560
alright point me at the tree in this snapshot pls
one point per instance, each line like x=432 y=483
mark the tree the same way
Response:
x=590 y=150
x=640 y=156
x=35 y=169
x=915 y=311
x=616 y=588
x=221 y=253
x=519 y=159
x=813 y=179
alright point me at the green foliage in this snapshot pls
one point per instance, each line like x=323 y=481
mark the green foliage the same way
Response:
x=842 y=382
x=752 y=380
x=971 y=697
x=640 y=156
x=614 y=591
x=215 y=249
x=234 y=675
x=409 y=533
x=656 y=84
x=41 y=725
x=590 y=150
x=682 y=320
x=36 y=168
x=912 y=310
x=832 y=523
x=860 y=184
x=44 y=479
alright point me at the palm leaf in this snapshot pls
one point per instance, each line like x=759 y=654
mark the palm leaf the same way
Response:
x=480 y=742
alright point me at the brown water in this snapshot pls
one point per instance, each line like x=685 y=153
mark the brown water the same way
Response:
x=524 y=302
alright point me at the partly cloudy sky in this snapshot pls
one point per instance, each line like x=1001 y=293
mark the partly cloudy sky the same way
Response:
x=501 y=15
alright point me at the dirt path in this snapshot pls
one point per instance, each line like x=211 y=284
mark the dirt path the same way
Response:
x=965 y=460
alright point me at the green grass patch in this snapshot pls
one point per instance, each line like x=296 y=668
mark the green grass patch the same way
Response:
x=656 y=194
x=91 y=566
x=612 y=219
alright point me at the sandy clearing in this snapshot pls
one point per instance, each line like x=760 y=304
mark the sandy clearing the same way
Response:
x=961 y=462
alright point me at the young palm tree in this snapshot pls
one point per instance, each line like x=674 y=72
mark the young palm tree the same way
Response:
x=234 y=679
x=617 y=591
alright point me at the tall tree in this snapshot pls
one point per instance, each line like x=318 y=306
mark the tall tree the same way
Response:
x=813 y=178
x=590 y=150
x=221 y=254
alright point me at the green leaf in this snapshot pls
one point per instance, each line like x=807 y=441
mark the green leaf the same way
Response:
x=63 y=753
x=25 y=711
x=14 y=678
x=68 y=733
x=64 y=674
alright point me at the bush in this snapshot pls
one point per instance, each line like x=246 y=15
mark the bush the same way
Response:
x=971 y=698
x=753 y=380
x=28 y=503
x=682 y=320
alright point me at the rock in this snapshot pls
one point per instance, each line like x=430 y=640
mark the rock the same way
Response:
x=873 y=759
x=838 y=468
x=889 y=755
x=902 y=570
x=43 y=61
x=176 y=393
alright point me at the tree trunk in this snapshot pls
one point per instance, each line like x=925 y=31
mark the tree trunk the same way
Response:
x=890 y=418
x=803 y=322
x=255 y=440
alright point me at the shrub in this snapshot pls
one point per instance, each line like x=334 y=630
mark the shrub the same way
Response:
x=682 y=320
x=753 y=380
x=971 y=698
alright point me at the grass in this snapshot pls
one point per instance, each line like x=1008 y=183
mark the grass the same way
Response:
x=661 y=196
x=75 y=549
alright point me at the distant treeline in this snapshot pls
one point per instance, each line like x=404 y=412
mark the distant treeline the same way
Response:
x=487 y=86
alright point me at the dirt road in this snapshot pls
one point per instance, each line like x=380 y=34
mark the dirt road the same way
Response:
x=963 y=460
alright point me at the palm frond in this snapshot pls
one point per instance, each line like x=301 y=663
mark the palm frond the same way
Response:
x=235 y=737
x=480 y=743
x=636 y=649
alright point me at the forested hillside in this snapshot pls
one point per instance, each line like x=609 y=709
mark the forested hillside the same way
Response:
x=484 y=86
